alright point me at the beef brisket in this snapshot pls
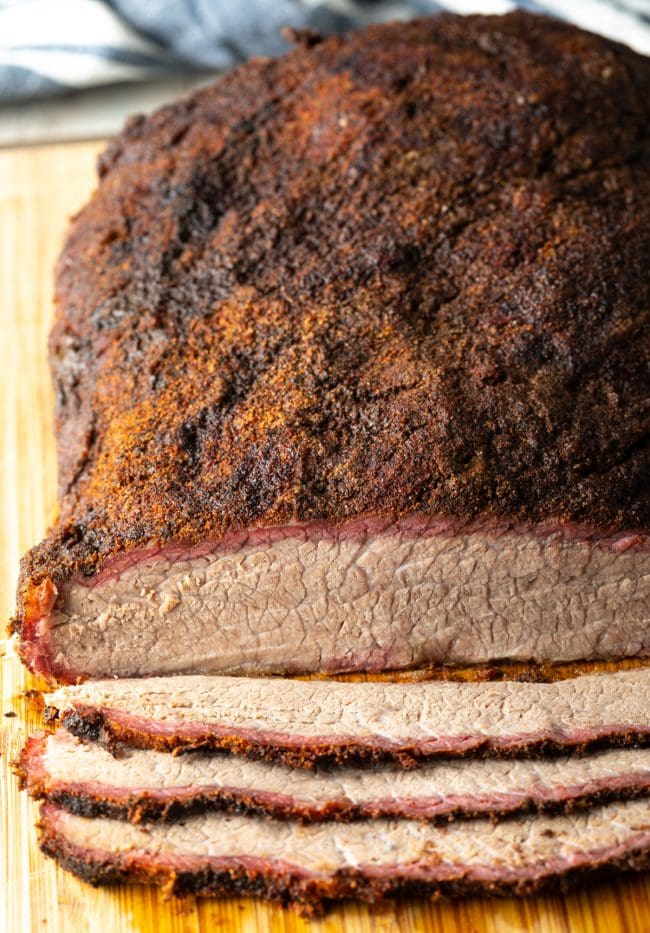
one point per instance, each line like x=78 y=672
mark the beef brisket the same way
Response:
x=149 y=785
x=308 y=865
x=302 y=722
x=351 y=366
x=353 y=598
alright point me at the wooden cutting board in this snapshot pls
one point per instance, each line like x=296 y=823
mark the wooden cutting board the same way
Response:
x=39 y=189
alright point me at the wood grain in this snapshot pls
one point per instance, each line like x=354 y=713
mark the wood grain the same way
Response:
x=39 y=188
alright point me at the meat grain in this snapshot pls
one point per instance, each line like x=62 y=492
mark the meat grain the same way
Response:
x=222 y=854
x=362 y=596
x=304 y=722
x=144 y=785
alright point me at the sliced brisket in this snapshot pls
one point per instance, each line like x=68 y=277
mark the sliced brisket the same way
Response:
x=308 y=865
x=351 y=366
x=302 y=722
x=148 y=785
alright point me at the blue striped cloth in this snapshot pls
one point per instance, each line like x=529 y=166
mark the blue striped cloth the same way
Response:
x=51 y=46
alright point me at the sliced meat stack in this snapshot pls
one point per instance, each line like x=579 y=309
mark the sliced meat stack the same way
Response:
x=351 y=368
x=226 y=822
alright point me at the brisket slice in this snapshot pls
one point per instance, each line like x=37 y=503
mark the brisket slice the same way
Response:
x=395 y=281
x=362 y=596
x=304 y=722
x=311 y=864
x=149 y=785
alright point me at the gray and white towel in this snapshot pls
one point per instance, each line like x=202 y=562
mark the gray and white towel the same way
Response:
x=52 y=46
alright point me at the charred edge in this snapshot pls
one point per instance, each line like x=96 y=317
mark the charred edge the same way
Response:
x=20 y=767
x=96 y=726
x=147 y=810
x=89 y=727
x=111 y=869
x=30 y=778
x=51 y=716
x=312 y=896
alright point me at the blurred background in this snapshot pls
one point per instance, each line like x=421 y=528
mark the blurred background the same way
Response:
x=74 y=69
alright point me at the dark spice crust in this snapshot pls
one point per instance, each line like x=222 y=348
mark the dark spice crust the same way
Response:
x=96 y=725
x=406 y=269
x=140 y=809
x=312 y=896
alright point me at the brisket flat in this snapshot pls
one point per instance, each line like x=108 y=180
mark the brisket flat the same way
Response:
x=149 y=785
x=357 y=597
x=311 y=864
x=304 y=722
x=351 y=366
